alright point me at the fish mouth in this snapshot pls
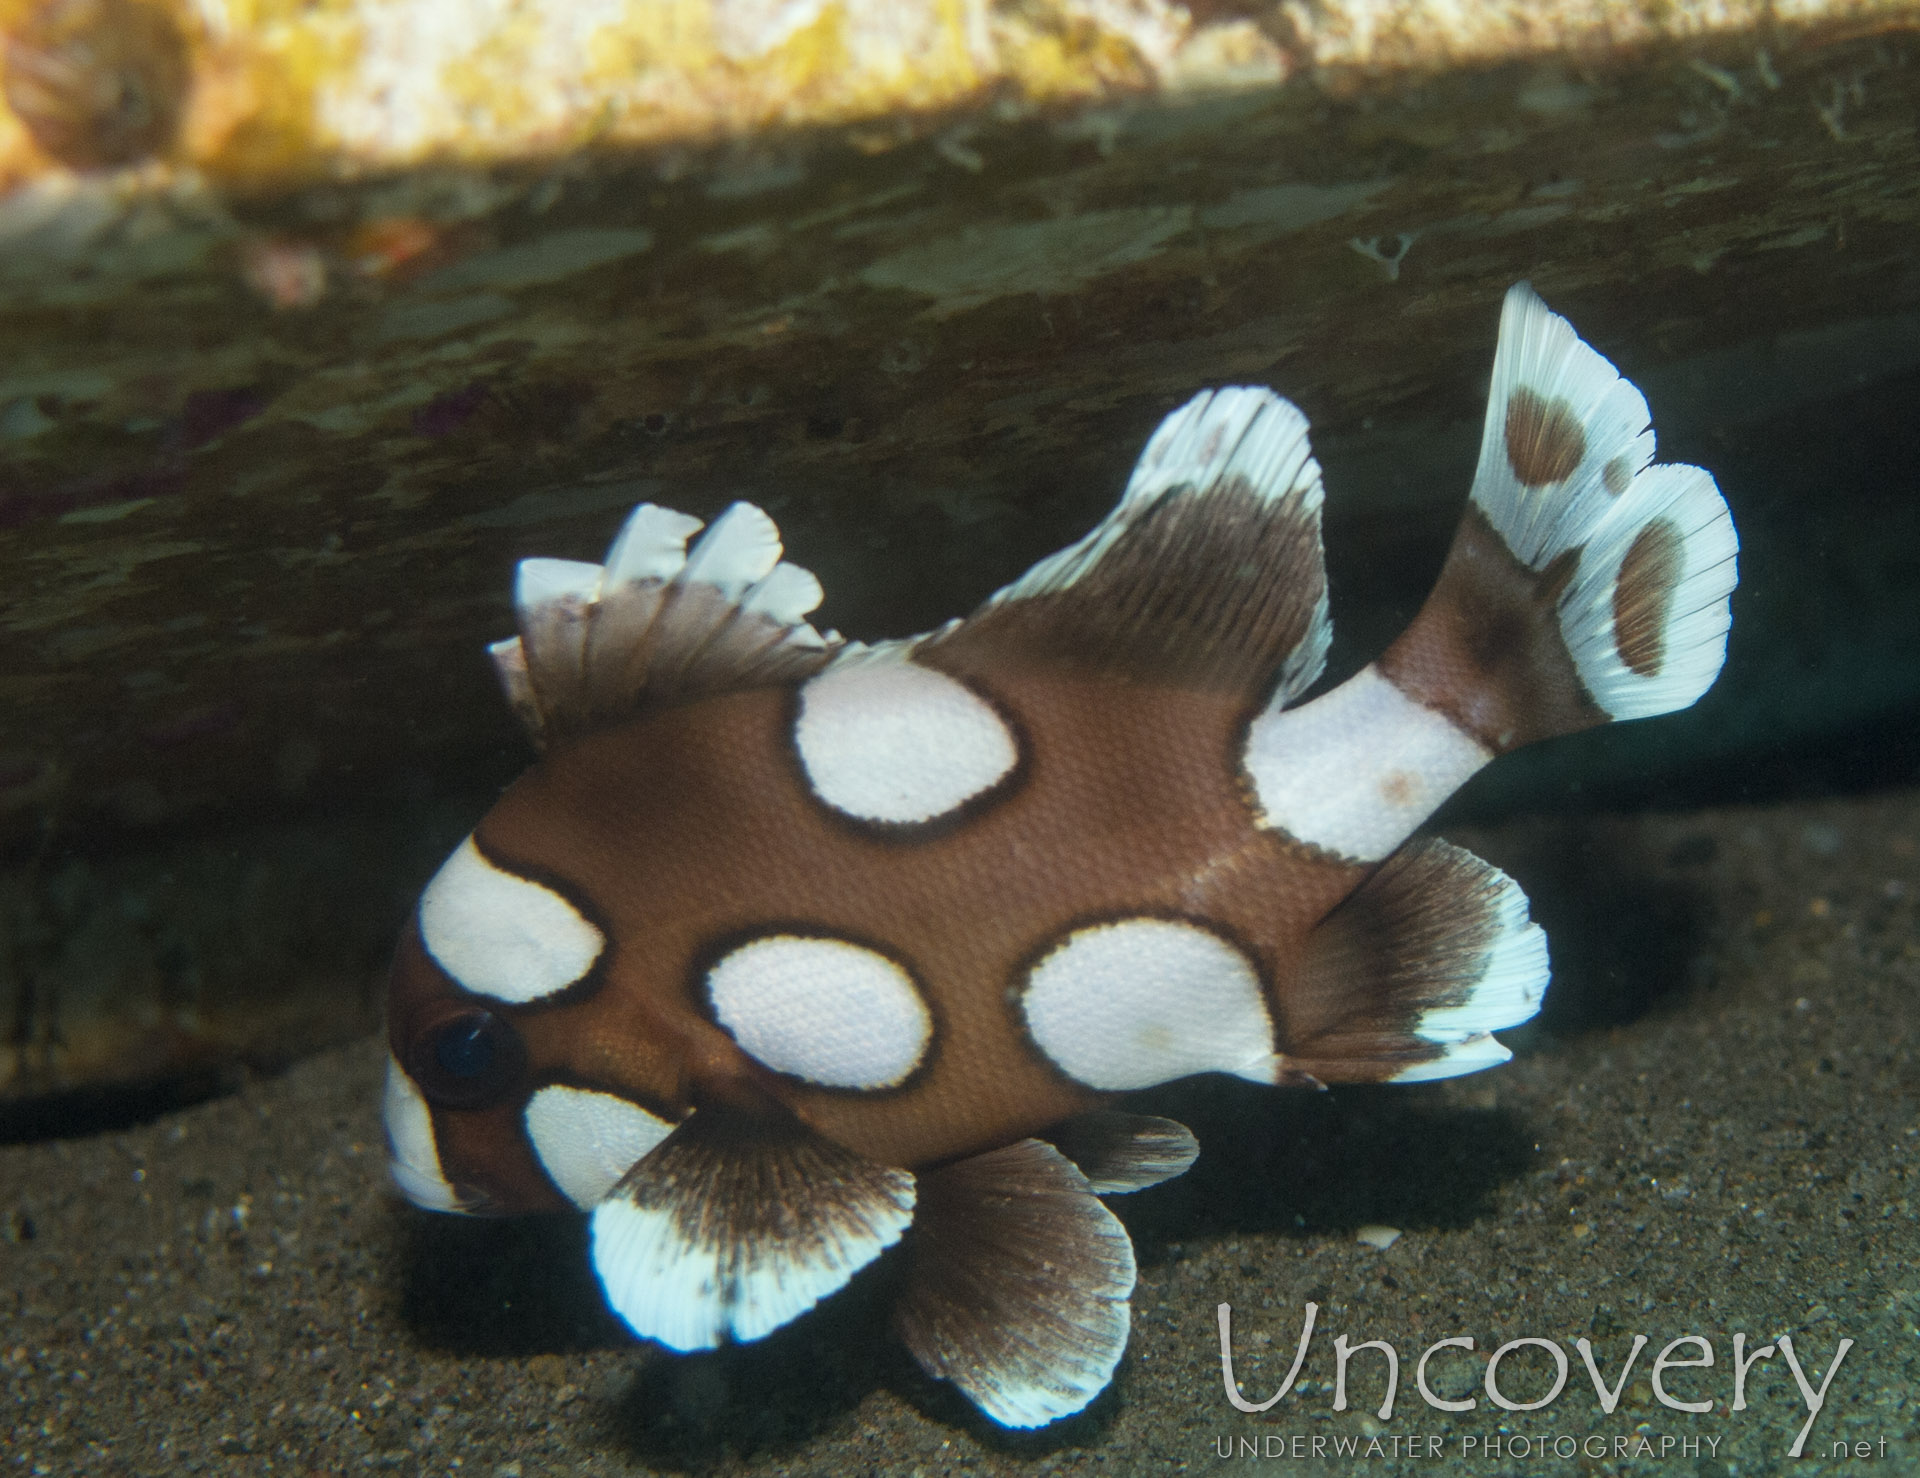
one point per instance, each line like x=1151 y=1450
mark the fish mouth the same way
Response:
x=426 y=1189
x=413 y=1158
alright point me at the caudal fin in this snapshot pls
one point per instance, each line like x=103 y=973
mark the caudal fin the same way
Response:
x=1585 y=585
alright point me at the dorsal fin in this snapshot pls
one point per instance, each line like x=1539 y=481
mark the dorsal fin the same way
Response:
x=658 y=623
x=1208 y=571
x=1405 y=980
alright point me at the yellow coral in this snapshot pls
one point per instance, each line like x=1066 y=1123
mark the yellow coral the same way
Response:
x=281 y=89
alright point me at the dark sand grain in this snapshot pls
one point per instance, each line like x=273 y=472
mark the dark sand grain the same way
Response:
x=1712 y=1130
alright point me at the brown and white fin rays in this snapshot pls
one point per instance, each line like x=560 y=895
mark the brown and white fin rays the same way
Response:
x=651 y=545
x=1017 y=1284
x=1639 y=561
x=1410 y=975
x=1121 y=1152
x=738 y=1222
x=659 y=622
x=1648 y=610
x=1208 y=571
x=510 y=666
x=1565 y=434
x=553 y=601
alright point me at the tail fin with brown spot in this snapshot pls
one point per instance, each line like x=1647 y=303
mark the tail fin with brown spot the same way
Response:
x=1585 y=585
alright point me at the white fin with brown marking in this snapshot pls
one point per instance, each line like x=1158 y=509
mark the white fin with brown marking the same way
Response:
x=1564 y=472
x=1409 y=976
x=658 y=623
x=1565 y=434
x=738 y=1222
x=1648 y=612
x=1017 y=1284
x=1583 y=586
x=1208 y=572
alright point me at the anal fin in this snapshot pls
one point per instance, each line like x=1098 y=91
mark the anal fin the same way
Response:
x=1409 y=976
x=1017 y=1284
x=736 y=1223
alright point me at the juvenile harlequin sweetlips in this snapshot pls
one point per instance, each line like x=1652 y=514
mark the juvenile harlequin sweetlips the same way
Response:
x=788 y=945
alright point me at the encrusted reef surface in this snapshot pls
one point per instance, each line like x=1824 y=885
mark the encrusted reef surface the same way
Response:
x=1710 y=1133
x=268 y=451
x=313 y=324
x=268 y=90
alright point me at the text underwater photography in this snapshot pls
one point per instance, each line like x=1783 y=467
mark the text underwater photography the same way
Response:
x=1523 y=1380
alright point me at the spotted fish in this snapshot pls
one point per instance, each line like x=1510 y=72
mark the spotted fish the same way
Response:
x=791 y=948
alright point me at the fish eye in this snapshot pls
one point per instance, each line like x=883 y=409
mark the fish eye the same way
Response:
x=467 y=1060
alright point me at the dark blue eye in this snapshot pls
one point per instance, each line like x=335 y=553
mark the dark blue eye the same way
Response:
x=468 y=1059
x=465 y=1047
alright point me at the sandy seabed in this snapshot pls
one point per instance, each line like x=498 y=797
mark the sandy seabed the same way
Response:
x=1710 y=1132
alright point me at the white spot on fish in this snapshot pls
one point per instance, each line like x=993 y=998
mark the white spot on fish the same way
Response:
x=588 y=1140
x=1357 y=769
x=1143 y=1001
x=413 y=1157
x=503 y=936
x=822 y=1009
x=886 y=739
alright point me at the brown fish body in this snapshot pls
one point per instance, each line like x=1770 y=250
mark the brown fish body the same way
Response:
x=786 y=946
x=694 y=827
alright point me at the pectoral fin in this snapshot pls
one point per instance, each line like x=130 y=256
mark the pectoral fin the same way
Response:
x=738 y=1222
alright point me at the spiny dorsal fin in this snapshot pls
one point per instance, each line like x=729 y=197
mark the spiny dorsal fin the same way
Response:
x=1017 y=1284
x=1208 y=571
x=1406 y=978
x=1120 y=1152
x=737 y=1222
x=658 y=623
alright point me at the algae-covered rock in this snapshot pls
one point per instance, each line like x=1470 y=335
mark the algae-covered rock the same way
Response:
x=318 y=316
